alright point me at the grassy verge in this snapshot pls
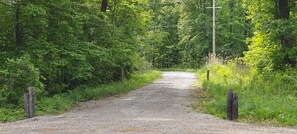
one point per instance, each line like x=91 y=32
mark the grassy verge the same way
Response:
x=63 y=102
x=263 y=98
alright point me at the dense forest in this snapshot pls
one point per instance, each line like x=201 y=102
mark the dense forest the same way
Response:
x=59 y=45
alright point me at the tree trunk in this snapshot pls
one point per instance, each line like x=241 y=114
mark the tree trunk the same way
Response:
x=284 y=9
x=104 y=5
x=231 y=7
x=18 y=28
x=284 y=13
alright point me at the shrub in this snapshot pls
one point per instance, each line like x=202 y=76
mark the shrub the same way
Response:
x=268 y=96
x=16 y=77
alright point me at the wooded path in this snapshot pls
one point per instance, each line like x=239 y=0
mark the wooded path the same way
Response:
x=159 y=108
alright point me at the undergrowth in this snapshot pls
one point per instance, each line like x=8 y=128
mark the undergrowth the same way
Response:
x=62 y=102
x=264 y=97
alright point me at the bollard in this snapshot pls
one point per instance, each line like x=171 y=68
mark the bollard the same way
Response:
x=232 y=105
x=229 y=104
x=122 y=73
x=235 y=106
x=26 y=104
x=207 y=75
x=29 y=102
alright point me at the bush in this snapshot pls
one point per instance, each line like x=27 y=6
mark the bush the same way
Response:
x=63 y=102
x=263 y=96
x=15 y=78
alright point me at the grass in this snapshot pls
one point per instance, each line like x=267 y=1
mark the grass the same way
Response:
x=63 y=102
x=263 y=98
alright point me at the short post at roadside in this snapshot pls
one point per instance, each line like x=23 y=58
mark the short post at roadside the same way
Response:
x=26 y=104
x=235 y=106
x=29 y=102
x=229 y=104
x=207 y=76
x=122 y=73
x=232 y=105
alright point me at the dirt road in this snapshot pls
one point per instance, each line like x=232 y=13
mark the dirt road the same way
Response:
x=159 y=108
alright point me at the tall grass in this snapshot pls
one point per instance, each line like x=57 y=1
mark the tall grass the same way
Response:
x=266 y=97
x=63 y=102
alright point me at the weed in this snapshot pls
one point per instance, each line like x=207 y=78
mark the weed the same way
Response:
x=266 y=98
x=62 y=102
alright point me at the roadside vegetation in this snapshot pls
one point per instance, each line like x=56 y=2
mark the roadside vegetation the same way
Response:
x=66 y=48
x=62 y=102
x=269 y=98
x=256 y=45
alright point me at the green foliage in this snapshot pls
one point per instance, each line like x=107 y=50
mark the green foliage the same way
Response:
x=68 y=44
x=19 y=74
x=60 y=45
x=161 y=40
x=263 y=97
x=142 y=64
x=62 y=102
x=10 y=114
x=273 y=44
x=232 y=29
x=195 y=31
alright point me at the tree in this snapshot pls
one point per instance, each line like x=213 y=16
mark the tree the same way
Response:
x=195 y=31
x=163 y=34
x=69 y=43
x=273 y=45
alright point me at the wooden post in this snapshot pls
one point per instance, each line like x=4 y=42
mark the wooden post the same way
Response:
x=122 y=73
x=229 y=104
x=32 y=101
x=104 y=5
x=29 y=103
x=232 y=105
x=235 y=106
x=26 y=104
x=207 y=75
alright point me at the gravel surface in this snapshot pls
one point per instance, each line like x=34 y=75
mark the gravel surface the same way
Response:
x=159 y=108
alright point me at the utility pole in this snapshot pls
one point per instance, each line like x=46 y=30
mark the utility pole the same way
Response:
x=214 y=28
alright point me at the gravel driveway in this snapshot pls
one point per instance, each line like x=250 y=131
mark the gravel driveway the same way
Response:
x=159 y=108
